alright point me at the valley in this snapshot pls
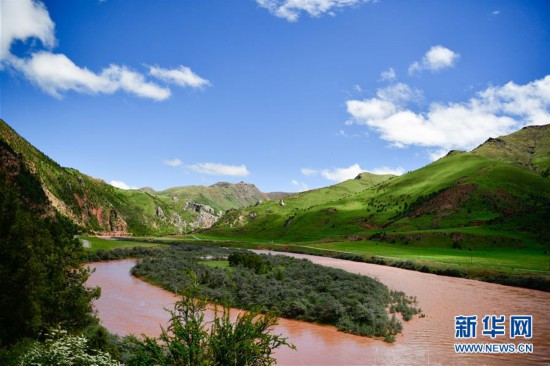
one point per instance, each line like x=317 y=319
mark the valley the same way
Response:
x=467 y=216
x=263 y=182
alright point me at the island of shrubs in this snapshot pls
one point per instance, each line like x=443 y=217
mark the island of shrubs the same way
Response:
x=285 y=286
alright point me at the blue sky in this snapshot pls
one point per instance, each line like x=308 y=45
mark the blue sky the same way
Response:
x=289 y=95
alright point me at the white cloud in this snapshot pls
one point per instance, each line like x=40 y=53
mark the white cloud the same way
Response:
x=292 y=9
x=387 y=170
x=121 y=185
x=56 y=73
x=173 y=162
x=496 y=12
x=342 y=174
x=134 y=83
x=399 y=93
x=309 y=172
x=301 y=186
x=371 y=109
x=388 y=75
x=183 y=76
x=24 y=19
x=492 y=112
x=437 y=58
x=219 y=169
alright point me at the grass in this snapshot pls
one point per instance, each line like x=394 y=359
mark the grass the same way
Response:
x=509 y=261
x=528 y=260
x=104 y=244
x=509 y=203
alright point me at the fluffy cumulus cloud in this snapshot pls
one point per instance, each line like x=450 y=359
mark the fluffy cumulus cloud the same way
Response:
x=56 y=73
x=182 y=76
x=121 y=185
x=436 y=59
x=399 y=93
x=220 y=169
x=173 y=162
x=342 y=174
x=387 y=170
x=495 y=111
x=292 y=9
x=24 y=19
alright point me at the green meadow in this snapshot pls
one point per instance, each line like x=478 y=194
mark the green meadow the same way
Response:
x=108 y=244
x=477 y=261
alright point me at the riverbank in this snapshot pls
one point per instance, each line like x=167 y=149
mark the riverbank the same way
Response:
x=129 y=305
x=483 y=266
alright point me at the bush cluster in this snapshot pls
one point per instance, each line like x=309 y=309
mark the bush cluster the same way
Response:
x=286 y=286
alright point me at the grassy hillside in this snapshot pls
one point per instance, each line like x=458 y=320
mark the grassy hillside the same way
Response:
x=93 y=204
x=297 y=217
x=503 y=203
x=529 y=148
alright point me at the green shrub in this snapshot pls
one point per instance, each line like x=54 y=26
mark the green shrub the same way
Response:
x=188 y=341
x=63 y=349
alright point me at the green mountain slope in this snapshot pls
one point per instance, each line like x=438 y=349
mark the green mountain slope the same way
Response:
x=93 y=204
x=463 y=197
x=529 y=147
x=296 y=217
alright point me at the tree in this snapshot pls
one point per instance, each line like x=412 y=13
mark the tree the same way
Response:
x=190 y=340
x=41 y=280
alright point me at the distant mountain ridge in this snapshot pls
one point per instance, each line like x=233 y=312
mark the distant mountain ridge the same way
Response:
x=221 y=196
x=101 y=208
x=498 y=194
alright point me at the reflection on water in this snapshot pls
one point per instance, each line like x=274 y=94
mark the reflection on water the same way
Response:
x=128 y=305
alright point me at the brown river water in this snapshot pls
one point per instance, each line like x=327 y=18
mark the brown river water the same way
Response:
x=131 y=306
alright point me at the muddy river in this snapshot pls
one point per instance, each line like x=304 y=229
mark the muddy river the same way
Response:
x=128 y=305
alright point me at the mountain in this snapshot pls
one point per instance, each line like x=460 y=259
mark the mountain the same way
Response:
x=290 y=216
x=496 y=195
x=528 y=148
x=221 y=196
x=101 y=208
x=40 y=261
